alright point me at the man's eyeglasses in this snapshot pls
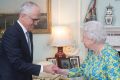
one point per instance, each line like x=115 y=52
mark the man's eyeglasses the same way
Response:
x=34 y=19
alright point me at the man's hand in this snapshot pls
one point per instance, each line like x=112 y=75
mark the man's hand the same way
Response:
x=50 y=68
x=62 y=71
x=54 y=69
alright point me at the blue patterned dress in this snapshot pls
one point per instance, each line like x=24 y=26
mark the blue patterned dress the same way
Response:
x=105 y=66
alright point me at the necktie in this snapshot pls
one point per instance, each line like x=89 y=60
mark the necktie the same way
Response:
x=28 y=41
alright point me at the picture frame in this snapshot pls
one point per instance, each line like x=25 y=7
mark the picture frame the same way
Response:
x=52 y=60
x=6 y=20
x=43 y=27
x=65 y=63
x=74 y=61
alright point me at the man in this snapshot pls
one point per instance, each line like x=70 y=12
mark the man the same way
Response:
x=17 y=47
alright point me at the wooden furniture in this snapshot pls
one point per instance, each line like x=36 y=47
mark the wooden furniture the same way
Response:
x=55 y=77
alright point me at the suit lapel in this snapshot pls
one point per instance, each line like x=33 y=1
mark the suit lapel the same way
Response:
x=24 y=39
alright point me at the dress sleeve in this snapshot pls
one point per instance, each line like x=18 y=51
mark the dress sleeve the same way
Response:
x=77 y=72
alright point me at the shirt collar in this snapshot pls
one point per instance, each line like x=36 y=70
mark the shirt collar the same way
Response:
x=23 y=28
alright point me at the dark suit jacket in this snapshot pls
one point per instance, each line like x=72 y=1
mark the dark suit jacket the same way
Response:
x=15 y=58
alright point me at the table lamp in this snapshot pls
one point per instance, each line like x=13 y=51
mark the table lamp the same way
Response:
x=60 y=37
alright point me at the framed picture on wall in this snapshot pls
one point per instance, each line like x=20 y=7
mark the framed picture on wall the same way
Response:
x=44 y=25
x=52 y=60
x=6 y=20
x=9 y=15
x=74 y=61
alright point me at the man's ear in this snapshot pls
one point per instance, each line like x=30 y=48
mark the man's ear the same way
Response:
x=22 y=15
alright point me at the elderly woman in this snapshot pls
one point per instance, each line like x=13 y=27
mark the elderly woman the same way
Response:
x=102 y=62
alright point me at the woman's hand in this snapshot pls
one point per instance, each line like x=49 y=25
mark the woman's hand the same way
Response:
x=62 y=71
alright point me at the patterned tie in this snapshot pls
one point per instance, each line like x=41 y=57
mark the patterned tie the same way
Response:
x=28 y=41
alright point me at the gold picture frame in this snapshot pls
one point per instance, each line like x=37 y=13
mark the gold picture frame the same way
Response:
x=45 y=20
x=43 y=27
x=6 y=20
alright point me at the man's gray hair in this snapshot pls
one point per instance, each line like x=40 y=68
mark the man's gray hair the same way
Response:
x=95 y=30
x=26 y=7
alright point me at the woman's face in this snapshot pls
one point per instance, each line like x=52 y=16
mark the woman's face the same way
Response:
x=87 y=41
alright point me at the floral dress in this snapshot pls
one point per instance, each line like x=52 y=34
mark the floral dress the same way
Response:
x=105 y=66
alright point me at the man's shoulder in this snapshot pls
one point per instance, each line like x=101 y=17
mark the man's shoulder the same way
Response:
x=13 y=28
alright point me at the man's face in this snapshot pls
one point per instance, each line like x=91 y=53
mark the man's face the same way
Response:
x=32 y=19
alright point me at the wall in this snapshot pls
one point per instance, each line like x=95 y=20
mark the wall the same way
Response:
x=101 y=10
x=64 y=12
x=116 y=10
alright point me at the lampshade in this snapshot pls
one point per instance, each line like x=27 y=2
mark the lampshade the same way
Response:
x=61 y=36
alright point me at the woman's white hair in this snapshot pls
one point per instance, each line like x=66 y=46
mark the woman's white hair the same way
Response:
x=26 y=8
x=95 y=30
